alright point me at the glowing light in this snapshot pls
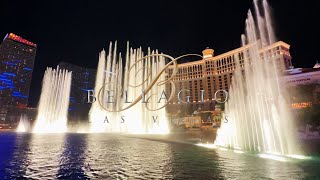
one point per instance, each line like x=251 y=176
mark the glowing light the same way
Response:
x=295 y=156
x=206 y=145
x=259 y=120
x=9 y=74
x=54 y=102
x=82 y=130
x=223 y=149
x=273 y=157
x=20 y=39
x=239 y=152
x=21 y=127
x=137 y=119
x=24 y=124
x=301 y=105
x=18 y=94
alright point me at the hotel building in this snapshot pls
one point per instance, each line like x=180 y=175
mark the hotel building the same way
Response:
x=304 y=85
x=17 y=57
x=214 y=73
x=83 y=79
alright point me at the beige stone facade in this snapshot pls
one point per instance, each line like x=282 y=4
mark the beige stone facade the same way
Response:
x=214 y=73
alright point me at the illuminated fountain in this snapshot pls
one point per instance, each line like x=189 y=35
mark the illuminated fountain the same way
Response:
x=125 y=84
x=258 y=116
x=54 y=102
x=24 y=124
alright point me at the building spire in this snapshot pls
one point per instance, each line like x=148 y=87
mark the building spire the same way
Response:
x=207 y=53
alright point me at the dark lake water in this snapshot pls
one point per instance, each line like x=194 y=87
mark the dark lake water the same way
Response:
x=107 y=156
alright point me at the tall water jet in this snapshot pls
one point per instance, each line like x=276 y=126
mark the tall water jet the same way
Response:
x=54 y=102
x=258 y=116
x=117 y=85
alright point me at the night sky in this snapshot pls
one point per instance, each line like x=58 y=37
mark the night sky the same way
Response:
x=75 y=31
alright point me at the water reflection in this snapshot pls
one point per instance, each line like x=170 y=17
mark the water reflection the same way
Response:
x=250 y=166
x=72 y=160
x=107 y=156
x=191 y=162
x=19 y=145
x=122 y=157
x=44 y=155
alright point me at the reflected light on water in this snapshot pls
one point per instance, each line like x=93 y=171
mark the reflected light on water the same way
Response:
x=238 y=151
x=296 y=156
x=222 y=148
x=213 y=146
x=277 y=157
x=112 y=156
x=273 y=157
x=44 y=155
x=207 y=145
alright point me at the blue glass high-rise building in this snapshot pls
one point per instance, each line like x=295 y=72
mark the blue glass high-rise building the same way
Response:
x=83 y=79
x=17 y=57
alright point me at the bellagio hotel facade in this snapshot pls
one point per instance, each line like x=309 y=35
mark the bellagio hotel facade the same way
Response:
x=214 y=73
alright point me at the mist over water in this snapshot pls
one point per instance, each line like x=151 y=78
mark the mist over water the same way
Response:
x=24 y=124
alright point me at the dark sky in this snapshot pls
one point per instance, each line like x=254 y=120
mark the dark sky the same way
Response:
x=75 y=31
